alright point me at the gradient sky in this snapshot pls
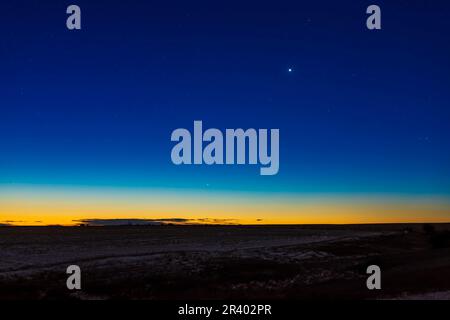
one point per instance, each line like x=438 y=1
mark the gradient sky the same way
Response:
x=86 y=116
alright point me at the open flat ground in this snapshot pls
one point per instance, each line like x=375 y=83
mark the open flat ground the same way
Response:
x=224 y=262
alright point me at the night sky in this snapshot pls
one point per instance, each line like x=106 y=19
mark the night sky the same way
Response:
x=86 y=115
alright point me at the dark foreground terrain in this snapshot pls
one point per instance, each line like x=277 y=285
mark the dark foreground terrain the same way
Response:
x=216 y=262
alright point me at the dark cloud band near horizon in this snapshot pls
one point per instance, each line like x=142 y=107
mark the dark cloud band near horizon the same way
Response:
x=163 y=221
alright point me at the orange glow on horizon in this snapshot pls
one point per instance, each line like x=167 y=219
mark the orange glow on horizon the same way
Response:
x=67 y=207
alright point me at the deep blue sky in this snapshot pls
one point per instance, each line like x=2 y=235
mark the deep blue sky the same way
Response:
x=362 y=111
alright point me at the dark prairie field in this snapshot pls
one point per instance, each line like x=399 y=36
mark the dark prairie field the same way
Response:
x=218 y=262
